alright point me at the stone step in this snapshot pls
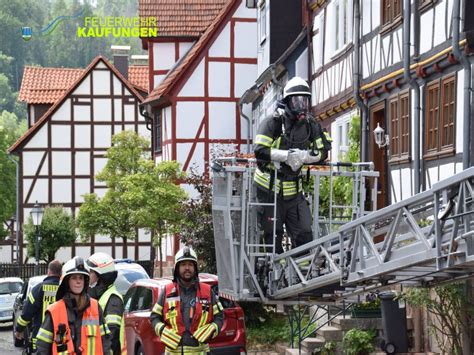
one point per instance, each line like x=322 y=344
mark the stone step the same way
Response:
x=309 y=344
x=347 y=323
x=290 y=351
x=330 y=333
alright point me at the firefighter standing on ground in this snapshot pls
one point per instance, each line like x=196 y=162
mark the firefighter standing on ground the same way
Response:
x=285 y=141
x=40 y=297
x=102 y=277
x=74 y=324
x=188 y=314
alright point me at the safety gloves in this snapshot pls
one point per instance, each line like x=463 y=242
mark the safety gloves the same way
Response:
x=203 y=333
x=170 y=337
x=298 y=157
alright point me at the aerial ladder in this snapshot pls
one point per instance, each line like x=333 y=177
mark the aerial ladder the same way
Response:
x=424 y=240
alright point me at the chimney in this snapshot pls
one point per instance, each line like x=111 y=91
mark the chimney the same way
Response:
x=120 y=54
x=140 y=59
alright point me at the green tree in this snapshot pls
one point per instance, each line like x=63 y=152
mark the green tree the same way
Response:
x=57 y=230
x=156 y=199
x=10 y=130
x=198 y=230
x=112 y=214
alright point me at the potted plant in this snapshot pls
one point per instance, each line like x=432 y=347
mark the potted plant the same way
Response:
x=370 y=308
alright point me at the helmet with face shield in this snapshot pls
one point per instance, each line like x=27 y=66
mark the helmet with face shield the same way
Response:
x=297 y=96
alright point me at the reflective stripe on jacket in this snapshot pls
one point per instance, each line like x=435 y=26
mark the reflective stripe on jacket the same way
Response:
x=114 y=319
x=91 y=338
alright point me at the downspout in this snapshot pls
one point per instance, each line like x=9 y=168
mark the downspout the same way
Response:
x=467 y=84
x=356 y=81
x=17 y=214
x=413 y=84
x=466 y=345
x=249 y=124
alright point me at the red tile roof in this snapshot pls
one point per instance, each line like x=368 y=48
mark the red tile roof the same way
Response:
x=181 y=18
x=47 y=85
x=138 y=76
x=30 y=132
x=173 y=77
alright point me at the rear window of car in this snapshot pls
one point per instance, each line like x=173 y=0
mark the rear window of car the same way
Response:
x=133 y=275
x=10 y=287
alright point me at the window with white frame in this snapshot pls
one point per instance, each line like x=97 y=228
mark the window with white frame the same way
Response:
x=340 y=135
x=318 y=35
x=340 y=17
x=262 y=20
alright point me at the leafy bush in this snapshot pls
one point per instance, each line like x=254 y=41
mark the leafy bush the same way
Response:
x=358 y=342
x=328 y=348
x=268 y=331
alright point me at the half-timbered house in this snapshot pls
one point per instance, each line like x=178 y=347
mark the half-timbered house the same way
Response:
x=416 y=83
x=195 y=106
x=72 y=116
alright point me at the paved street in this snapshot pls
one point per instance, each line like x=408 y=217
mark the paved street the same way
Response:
x=6 y=342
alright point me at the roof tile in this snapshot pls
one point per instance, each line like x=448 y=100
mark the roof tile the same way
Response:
x=47 y=85
x=181 y=18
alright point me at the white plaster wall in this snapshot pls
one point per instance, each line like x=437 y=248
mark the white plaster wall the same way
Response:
x=6 y=253
x=82 y=136
x=195 y=84
x=117 y=110
x=82 y=188
x=99 y=164
x=82 y=113
x=61 y=163
x=102 y=110
x=60 y=136
x=62 y=190
x=40 y=138
x=63 y=113
x=163 y=56
x=143 y=131
x=82 y=160
x=221 y=46
x=446 y=171
x=129 y=113
x=184 y=48
x=244 y=12
x=182 y=153
x=102 y=136
x=101 y=82
x=406 y=183
x=243 y=31
x=39 y=193
x=219 y=79
x=31 y=161
x=101 y=65
x=188 y=118
x=397 y=48
x=157 y=79
x=222 y=120
x=84 y=87
x=117 y=85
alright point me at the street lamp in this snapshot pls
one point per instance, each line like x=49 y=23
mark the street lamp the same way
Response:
x=37 y=217
x=381 y=139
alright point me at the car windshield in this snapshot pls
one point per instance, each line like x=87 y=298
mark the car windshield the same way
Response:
x=126 y=277
x=10 y=287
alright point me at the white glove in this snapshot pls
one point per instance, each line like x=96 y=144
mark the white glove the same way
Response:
x=309 y=159
x=296 y=158
x=279 y=155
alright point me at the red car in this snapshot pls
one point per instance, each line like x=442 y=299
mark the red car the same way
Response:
x=141 y=338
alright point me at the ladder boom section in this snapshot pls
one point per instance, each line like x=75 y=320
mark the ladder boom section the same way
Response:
x=423 y=240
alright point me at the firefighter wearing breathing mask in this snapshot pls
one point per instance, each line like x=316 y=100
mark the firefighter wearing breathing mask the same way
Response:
x=285 y=141
x=188 y=313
